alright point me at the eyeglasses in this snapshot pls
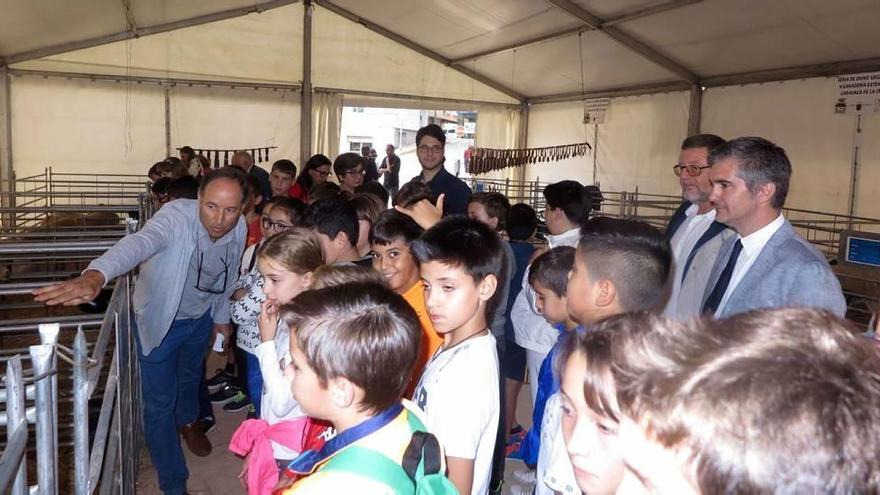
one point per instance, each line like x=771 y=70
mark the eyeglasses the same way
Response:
x=225 y=275
x=269 y=224
x=430 y=149
x=692 y=170
x=322 y=173
x=357 y=171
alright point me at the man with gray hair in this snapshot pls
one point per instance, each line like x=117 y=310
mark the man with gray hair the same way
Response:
x=767 y=264
x=693 y=232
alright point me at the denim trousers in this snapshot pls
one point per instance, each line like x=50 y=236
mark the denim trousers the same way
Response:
x=170 y=379
x=254 y=380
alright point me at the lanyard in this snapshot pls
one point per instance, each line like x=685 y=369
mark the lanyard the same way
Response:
x=308 y=460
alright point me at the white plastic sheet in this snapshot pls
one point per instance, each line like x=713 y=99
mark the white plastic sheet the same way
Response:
x=799 y=116
x=85 y=127
x=223 y=118
x=637 y=144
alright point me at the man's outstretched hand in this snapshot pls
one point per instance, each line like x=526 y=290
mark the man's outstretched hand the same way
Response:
x=424 y=212
x=75 y=291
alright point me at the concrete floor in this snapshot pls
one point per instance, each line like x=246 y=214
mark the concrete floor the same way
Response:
x=217 y=473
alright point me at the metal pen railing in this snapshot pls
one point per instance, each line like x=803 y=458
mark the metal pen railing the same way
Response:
x=32 y=200
x=109 y=462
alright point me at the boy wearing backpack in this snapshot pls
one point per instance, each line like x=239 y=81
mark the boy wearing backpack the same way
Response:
x=461 y=264
x=382 y=446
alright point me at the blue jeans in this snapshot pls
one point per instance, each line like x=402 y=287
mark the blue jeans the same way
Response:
x=254 y=380
x=170 y=378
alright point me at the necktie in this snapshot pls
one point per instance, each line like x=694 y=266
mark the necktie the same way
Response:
x=723 y=281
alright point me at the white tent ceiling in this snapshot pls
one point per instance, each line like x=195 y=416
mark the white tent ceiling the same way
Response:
x=638 y=43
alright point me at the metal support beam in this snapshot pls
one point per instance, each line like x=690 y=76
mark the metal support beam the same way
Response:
x=305 y=127
x=465 y=104
x=7 y=174
x=644 y=89
x=520 y=44
x=522 y=141
x=695 y=110
x=372 y=26
x=626 y=40
x=650 y=10
x=145 y=31
x=166 y=81
x=787 y=73
x=168 y=122
x=629 y=16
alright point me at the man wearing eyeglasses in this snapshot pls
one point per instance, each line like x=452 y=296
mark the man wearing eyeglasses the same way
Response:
x=431 y=144
x=188 y=255
x=694 y=234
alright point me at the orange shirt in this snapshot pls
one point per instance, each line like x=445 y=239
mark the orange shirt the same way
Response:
x=431 y=340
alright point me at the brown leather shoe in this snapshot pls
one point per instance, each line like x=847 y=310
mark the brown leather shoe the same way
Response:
x=196 y=440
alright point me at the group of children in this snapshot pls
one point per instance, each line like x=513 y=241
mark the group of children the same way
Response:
x=384 y=351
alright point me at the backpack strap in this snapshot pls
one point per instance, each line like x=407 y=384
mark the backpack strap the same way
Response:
x=371 y=465
x=423 y=447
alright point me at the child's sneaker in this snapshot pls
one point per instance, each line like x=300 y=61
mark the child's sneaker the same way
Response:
x=220 y=378
x=239 y=402
x=252 y=412
x=225 y=394
x=516 y=435
x=512 y=451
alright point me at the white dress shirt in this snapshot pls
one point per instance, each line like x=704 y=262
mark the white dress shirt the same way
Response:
x=752 y=245
x=683 y=242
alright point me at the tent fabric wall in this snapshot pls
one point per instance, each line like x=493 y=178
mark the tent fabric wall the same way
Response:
x=225 y=118
x=868 y=180
x=799 y=116
x=86 y=127
x=498 y=127
x=637 y=144
x=346 y=55
x=262 y=47
x=326 y=123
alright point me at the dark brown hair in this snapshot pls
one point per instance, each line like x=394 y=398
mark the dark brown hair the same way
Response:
x=411 y=193
x=768 y=401
x=595 y=345
x=496 y=204
x=551 y=269
x=633 y=255
x=367 y=206
x=362 y=332
x=708 y=141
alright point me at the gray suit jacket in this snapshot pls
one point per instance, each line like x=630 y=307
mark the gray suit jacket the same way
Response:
x=789 y=271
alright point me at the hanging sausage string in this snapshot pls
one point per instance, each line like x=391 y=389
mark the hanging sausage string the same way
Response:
x=213 y=155
x=484 y=160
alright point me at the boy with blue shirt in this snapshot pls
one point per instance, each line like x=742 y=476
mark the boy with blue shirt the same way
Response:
x=548 y=277
x=620 y=266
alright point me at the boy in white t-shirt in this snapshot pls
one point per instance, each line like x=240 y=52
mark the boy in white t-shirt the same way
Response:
x=460 y=259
